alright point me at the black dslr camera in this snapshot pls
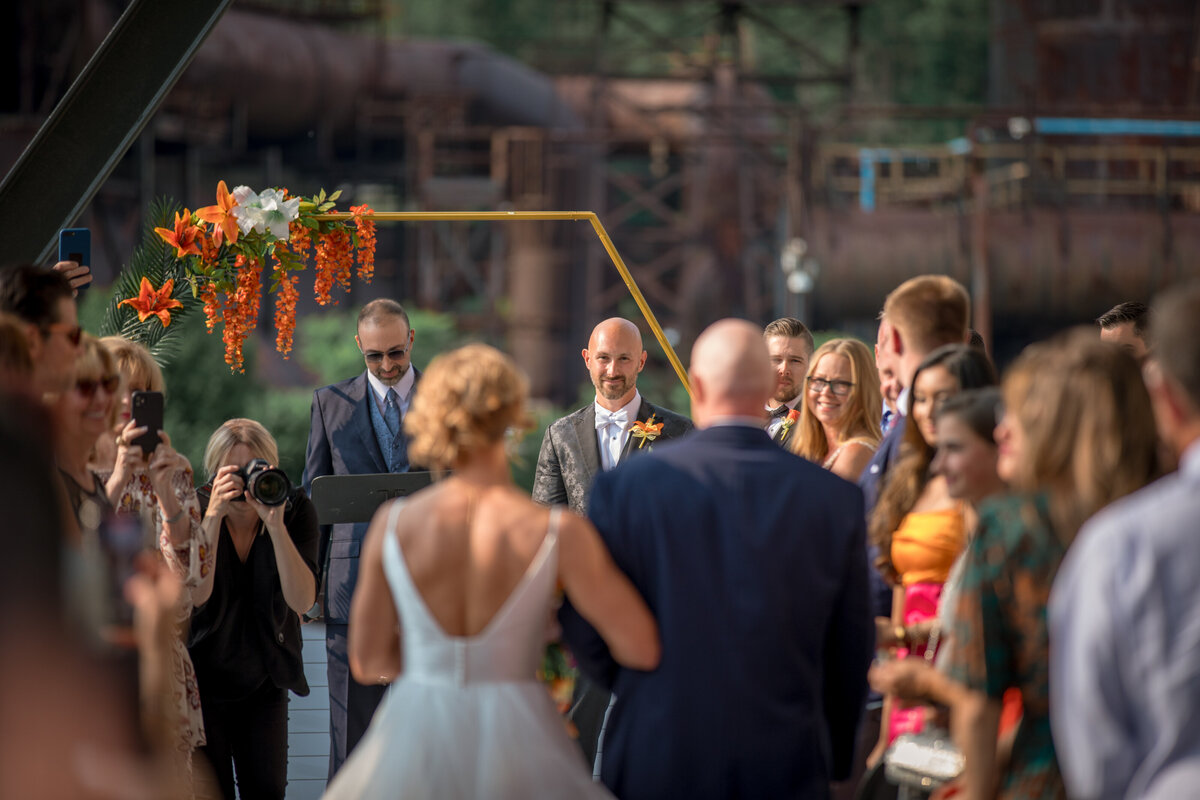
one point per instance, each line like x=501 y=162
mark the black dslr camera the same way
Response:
x=266 y=484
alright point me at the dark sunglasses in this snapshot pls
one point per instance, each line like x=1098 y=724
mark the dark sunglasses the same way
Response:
x=73 y=332
x=393 y=355
x=87 y=386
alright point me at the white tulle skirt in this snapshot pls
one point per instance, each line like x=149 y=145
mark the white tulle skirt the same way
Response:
x=483 y=741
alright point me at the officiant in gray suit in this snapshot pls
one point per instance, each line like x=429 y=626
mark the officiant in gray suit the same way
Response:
x=618 y=425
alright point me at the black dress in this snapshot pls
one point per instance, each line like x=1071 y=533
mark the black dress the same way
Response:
x=245 y=642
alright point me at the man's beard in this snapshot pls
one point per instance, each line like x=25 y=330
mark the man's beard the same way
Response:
x=785 y=394
x=611 y=391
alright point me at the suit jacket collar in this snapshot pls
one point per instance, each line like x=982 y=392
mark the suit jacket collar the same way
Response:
x=735 y=435
x=359 y=395
x=584 y=425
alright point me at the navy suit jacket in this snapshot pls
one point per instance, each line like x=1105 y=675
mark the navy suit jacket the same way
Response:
x=752 y=560
x=871 y=481
x=341 y=441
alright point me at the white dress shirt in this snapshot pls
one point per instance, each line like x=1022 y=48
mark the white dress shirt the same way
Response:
x=612 y=437
x=404 y=390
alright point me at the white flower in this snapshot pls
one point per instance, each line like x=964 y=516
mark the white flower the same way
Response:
x=265 y=212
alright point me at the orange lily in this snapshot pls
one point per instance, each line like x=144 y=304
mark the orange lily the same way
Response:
x=221 y=216
x=647 y=431
x=183 y=238
x=151 y=303
x=792 y=416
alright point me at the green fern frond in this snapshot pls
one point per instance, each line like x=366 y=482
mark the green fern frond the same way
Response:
x=154 y=260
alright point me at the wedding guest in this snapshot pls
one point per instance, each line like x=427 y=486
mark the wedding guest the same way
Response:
x=16 y=365
x=456 y=585
x=918 y=528
x=753 y=561
x=1125 y=326
x=619 y=425
x=85 y=411
x=1124 y=669
x=889 y=384
x=356 y=429
x=160 y=486
x=966 y=458
x=1077 y=434
x=919 y=316
x=790 y=344
x=44 y=302
x=837 y=426
x=69 y=719
x=245 y=629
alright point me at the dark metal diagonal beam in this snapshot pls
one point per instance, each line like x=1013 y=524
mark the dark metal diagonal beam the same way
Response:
x=97 y=120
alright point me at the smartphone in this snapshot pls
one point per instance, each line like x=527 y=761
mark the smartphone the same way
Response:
x=75 y=244
x=148 y=413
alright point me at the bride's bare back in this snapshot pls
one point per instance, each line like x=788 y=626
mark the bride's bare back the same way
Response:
x=467 y=548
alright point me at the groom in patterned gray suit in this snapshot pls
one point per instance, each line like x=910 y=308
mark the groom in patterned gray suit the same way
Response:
x=619 y=424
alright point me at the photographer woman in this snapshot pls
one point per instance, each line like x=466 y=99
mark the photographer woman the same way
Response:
x=245 y=637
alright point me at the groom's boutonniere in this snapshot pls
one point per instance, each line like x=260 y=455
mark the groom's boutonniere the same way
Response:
x=646 y=431
x=788 y=422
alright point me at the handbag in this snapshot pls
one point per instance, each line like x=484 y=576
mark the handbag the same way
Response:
x=924 y=760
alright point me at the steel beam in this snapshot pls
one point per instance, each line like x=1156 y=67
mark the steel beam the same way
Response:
x=97 y=120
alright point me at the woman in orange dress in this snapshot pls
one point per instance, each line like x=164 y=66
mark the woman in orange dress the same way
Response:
x=918 y=528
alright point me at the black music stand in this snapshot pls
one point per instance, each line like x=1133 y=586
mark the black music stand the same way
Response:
x=356 y=498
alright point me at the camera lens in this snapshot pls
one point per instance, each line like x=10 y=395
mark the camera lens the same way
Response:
x=270 y=487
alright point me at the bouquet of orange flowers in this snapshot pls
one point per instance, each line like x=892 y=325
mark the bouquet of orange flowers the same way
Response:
x=227 y=246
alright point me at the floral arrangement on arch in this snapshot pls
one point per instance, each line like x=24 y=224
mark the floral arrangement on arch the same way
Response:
x=226 y=248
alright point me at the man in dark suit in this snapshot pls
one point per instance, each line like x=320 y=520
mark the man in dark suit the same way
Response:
x=618 y=425
x=356 y=430
x=752 y=561
x=790 y=344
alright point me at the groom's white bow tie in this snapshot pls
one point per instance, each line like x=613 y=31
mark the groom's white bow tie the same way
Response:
x=604 y=417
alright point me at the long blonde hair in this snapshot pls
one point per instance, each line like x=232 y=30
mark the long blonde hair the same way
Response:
x=1087 y=422
x=862 y=407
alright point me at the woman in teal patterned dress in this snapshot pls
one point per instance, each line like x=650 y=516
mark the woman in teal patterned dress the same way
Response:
x=1078 y=434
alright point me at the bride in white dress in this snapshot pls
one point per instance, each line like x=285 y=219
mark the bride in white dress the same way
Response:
x=454 y=596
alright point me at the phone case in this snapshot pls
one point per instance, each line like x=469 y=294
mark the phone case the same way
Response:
x=148 y=413
x=75 y=244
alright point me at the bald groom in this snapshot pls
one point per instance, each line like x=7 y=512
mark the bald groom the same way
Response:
x=753 y=562
x=603 y=434
x=595 y=439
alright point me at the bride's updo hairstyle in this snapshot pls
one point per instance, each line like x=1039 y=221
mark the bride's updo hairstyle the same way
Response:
x=468 y=398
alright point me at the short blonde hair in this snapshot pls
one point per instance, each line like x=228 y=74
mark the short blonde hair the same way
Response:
x=863 y=406
x=94 y=362
x=468 y=398
x=135 y=363
x=234 y=432
x=929 y=311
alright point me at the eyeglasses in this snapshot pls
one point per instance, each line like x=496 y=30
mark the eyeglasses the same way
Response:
x=87 y=386
x=839 y=388
x=73 y=332
x=393 y=355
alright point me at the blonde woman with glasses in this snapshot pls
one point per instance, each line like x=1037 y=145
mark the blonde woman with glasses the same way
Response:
x=838 y=426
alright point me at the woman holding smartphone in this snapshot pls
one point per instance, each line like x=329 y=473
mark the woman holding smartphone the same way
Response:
x=245 y=635
x=159 y=486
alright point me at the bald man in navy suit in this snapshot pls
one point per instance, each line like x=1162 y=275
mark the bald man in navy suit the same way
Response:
x=753 y=562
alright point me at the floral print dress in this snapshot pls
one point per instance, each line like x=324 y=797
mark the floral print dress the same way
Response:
x=1001 y=637
x=190 y=562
